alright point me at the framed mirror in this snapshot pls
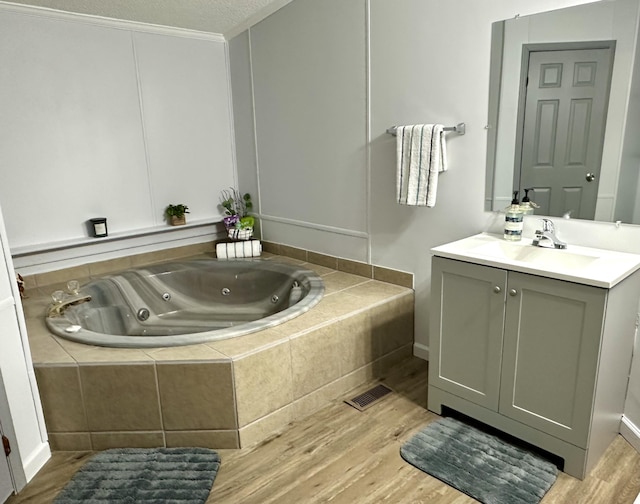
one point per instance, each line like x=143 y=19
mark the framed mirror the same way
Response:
x=564 y=101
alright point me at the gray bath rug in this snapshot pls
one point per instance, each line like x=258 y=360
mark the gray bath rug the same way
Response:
x=478 y=464
x=144 y=476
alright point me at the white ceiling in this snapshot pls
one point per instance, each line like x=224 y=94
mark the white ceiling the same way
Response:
x=226 y=17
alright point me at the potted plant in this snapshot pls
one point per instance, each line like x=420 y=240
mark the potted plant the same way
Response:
x=175 y=214
x=236 y=208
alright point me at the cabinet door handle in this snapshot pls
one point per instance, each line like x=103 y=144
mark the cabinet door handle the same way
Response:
x=497 y=289
x=513 y=292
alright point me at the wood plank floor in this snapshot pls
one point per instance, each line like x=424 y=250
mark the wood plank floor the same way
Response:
x=341 y=455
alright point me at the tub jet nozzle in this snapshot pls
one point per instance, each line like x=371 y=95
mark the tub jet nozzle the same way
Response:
x=143 y=314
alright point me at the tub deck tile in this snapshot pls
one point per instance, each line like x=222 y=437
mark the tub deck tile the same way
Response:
x=339 y=281
x=193 y=353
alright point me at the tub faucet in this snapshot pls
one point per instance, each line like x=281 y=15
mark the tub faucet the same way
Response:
x=57 y=309
x=548 y=232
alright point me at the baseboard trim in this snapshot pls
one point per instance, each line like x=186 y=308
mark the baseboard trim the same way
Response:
x=36 y=460
x=631 y=432
x=421 y=351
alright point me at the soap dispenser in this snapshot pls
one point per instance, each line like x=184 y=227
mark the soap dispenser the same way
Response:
x=527 y=206
x=513 y=220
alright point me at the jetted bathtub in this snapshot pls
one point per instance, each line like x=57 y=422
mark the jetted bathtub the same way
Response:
x=185 y=302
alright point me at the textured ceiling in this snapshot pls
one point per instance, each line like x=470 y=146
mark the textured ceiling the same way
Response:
x=226 y=17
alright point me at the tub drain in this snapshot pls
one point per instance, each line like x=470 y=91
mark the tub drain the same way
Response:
x=143 y=314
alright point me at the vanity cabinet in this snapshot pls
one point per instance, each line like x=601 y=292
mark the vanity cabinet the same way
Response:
x=543 y=359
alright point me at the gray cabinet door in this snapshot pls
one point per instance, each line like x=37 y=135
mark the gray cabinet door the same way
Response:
x=550 y=356
x=466 y=329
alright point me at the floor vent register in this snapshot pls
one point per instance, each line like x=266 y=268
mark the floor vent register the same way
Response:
x=369 y=398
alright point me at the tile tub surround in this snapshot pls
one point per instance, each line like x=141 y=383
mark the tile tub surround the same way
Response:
x=226 y=394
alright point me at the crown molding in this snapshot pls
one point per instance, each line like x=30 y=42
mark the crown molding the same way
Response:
x=118 y=24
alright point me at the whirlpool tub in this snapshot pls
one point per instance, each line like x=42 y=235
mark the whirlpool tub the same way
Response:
x=185 y=302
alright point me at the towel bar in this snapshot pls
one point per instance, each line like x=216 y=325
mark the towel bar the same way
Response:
x=459 y=128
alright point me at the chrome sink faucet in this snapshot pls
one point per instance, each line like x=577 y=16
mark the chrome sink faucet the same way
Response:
x=548 y=233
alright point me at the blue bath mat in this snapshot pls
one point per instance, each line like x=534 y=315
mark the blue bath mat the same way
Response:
x=144 y=476
x=484 y=467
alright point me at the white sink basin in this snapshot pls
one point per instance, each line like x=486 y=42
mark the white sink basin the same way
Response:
x=590 y=266
x=546 y=257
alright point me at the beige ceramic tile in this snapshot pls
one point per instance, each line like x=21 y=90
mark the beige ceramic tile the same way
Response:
x=121 y=397
x=186 y=353
x=70 y=441
x=319 y=270
x=305 y=322
x=61 y=277
x=356 y=379
x=265 y=427
x=270 y=248
x=36 y=326
x=61 y=398
x=338 y=390
x=374 y=291
x=315 y=359
x=111 y=266
x=322 y=260
x=355 y=268
x=29 y=282
x=262 y=382
x=340 y=304
x=148 y=258
x=386 y=362
x=288 y=260
x=46 y=351
x=88 y=354
x=293 y=252
x=35 y=306
x=243 y=345
x=197 y=396
x=356 y=342
x=218 y=439
x=107 y=440
x=392 y=324
x=339 y=280
x=316 y=400
x=393 y=276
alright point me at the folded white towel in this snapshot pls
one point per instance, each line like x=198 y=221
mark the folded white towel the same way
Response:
x=422 y=155
x=239 y=249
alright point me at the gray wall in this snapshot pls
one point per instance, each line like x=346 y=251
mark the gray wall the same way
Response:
x=328 y=78
x=101 y=121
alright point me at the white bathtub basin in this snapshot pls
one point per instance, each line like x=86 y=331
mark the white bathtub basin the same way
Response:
x=590 y=266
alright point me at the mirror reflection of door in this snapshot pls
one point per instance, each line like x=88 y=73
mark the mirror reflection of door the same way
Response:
x=563 y=108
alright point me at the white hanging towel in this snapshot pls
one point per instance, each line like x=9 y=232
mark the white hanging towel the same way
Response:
x=422 y=155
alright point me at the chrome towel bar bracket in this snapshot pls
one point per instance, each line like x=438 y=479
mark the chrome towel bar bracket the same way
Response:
x=459 y=128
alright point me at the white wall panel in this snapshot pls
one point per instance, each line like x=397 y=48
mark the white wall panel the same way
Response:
x=186 y=109
x=100 y=120
x=71 y=137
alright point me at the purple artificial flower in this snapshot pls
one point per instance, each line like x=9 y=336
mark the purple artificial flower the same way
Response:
x=230 y=221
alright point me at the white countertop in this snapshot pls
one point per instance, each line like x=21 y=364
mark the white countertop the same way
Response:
x=584 y=265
